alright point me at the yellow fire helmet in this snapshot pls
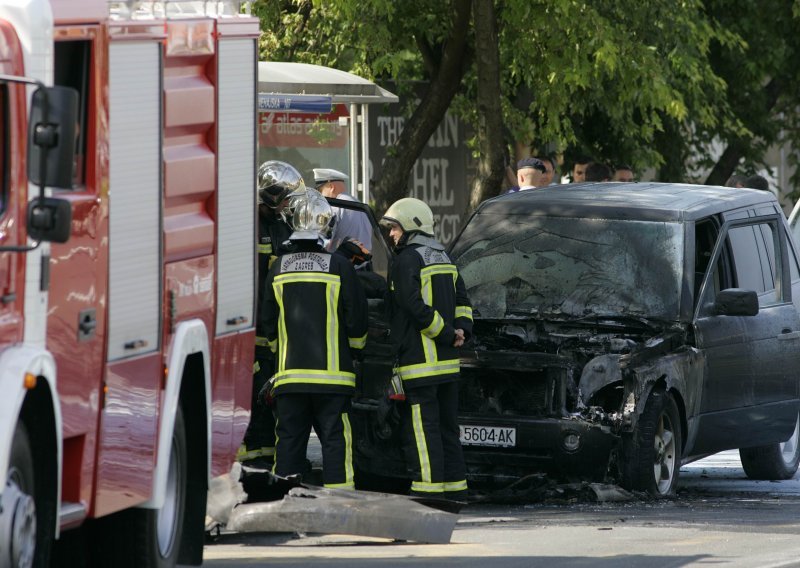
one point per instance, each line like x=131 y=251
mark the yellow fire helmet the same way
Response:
x=411 y=214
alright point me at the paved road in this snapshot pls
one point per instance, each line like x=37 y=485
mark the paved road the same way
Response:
x=719 y=518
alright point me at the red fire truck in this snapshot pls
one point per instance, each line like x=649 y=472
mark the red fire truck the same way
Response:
x=126 y=341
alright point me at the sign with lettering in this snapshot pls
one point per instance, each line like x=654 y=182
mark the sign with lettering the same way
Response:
x=299 y=103
x=278 y=129
x=443 y=173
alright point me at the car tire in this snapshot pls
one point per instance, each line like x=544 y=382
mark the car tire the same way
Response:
x=30 y=537
x=150 y=538
x=651 y=459
x=774 y=461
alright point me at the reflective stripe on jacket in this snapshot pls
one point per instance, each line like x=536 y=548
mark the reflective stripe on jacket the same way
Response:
x=428 y=303
x=314 y=313
x=272 y=233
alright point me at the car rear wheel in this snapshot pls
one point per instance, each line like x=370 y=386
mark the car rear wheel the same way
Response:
x=652 y=452
x=773 y=461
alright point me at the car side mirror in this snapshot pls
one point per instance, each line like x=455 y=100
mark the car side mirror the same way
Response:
x=736 y=302
x=52 y=128
x=49 y=219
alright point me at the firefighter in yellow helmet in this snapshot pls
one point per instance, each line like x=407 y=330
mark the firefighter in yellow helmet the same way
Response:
x=276 y=181
x=431 y=317
x=314 y=316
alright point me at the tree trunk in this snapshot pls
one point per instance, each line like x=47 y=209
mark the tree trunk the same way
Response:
x=726 y=165
x=396 y=169
x=491 y=167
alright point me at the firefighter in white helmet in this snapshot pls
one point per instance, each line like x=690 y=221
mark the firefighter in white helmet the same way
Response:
x=431 y=317
x=314 y=316
x=276 y=181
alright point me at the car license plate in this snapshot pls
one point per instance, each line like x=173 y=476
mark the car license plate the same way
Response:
x=488 y=436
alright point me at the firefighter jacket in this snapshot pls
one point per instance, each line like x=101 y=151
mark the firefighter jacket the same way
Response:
x=272 y=233
x=314 y=316
x=428 y=303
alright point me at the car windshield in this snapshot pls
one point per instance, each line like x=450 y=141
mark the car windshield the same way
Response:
x=517 y=266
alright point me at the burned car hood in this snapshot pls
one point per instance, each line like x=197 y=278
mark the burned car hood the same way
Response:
x=584 y=348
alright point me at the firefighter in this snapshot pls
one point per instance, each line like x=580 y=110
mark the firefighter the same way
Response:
x=314 y=315
x=276 y=181
x=430 y=318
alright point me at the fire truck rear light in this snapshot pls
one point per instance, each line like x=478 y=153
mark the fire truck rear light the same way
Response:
x=30 y=381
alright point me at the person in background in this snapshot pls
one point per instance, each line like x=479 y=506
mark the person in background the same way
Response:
x=579 y=169
x=598 y=171
x=276 y=181
x=736 y=180
x=531 y=173
x=314 y=316
x=430 y=319
x=756 y=181
x=623 y=173
x=550 y=169
x=349 y=223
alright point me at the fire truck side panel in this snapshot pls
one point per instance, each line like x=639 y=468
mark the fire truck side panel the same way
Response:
x=233 y=379
x=76 y=322
x=135 y=265
x=236 y=224
x=128 y=424
x=189 y=139
x=190 y=337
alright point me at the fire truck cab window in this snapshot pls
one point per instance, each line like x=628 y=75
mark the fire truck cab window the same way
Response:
x=72 y=69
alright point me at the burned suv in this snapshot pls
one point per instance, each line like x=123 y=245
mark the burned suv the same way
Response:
x=624 y=329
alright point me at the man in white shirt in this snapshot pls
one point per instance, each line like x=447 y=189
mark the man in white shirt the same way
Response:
x=349 y=223
x=531 y=173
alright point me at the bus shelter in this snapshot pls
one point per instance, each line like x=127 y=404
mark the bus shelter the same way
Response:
x=317 y=117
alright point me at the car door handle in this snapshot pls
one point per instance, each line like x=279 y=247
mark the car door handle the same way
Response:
x=788 y=334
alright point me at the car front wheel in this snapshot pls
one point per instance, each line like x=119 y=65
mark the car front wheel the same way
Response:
x=652 y=451
x=773 y=461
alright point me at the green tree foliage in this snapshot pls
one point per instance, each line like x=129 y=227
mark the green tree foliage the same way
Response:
x=651 y=84
x=761 y=72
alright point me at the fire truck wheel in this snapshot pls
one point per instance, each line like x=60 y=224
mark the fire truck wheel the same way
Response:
x=23 y=534
x=150 y=538
x=160 y=531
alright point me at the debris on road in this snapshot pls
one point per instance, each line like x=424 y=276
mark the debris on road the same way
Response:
x=540 y=488
x=297 y=507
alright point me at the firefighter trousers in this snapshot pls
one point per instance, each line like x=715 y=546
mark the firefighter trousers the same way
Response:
x=327 y=414
x=259 y=438
x=431 y=441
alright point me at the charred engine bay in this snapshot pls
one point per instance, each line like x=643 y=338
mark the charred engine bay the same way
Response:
x=534 y=367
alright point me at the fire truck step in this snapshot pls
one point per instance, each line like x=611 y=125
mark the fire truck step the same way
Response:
x=72 y=515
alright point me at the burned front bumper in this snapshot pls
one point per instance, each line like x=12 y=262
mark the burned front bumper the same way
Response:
x=568 y=448
x=536 y=395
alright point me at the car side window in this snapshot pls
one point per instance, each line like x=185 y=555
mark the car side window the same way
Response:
x=706 y=234
x=754 y=263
